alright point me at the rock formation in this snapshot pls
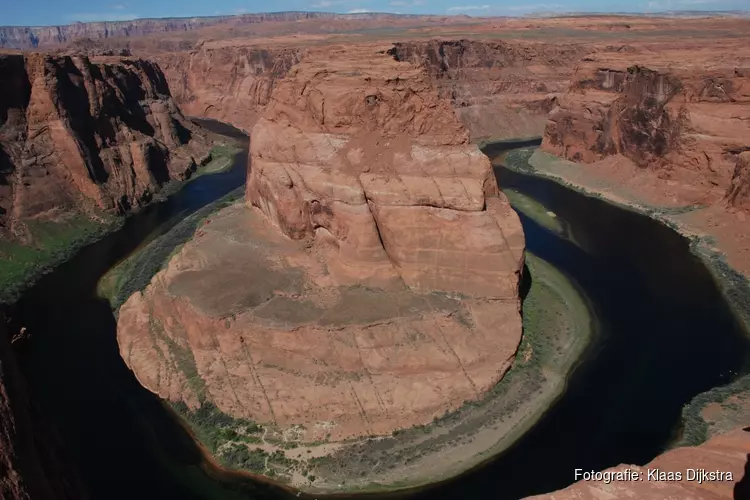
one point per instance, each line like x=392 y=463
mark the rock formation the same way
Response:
x=79 y=135
x=728 y=453
x=681 y=118
x=738 y=194
x=371 y=284
x=363 y=161
x=499 y=89
x=231 y=82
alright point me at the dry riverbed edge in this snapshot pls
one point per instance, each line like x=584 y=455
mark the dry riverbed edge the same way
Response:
x=721 y=408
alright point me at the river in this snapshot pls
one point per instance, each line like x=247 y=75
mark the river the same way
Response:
x=665 y=335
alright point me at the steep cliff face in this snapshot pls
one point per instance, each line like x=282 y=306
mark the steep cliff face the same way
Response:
x=371 y=283
x=77 y=135
x=738 y=194
x=499 y=89
x=372 y=157
x=228 y=82
x=31 y=465
x=728 y=454
x=683 y=119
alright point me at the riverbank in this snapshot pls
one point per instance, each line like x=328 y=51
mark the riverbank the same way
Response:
x=719 y=409
x=725 y=259
x=135 y=272
x=557 y=329
x=51 y=243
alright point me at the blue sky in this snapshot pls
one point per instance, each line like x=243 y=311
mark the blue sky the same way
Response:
x=47 y=12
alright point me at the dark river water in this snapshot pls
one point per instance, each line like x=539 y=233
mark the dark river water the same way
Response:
x=665 y=335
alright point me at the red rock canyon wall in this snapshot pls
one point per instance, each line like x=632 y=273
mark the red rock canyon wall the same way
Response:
x=77 y=134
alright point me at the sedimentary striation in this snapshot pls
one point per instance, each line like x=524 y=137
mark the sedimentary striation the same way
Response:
x=500 y=90
x=726 y=454
x=380 y=169
x=678 y=119
x=738 y=194
x=231 y=82
x=81 y=135
x=370 y=284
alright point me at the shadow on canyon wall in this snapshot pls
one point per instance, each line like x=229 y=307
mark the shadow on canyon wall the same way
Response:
x=122 y=437
x=124 y=440
x=742 y=488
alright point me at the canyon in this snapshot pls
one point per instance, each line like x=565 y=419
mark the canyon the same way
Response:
x=366 y=192
x=664 y=130
x=499 y=90
x=83 y=136
x=350 y=304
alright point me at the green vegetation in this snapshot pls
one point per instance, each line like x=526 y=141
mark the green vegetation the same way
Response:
x=735 y=286
x=231 y=441
x=537 y=212
x=51 y=243
x=221 y=159
x=136 y=272
x=239 y=456
x=546 y=165
x=215 y=429
x=518 y=160
x=696 y=429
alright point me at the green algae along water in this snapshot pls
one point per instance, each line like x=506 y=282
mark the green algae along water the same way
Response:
x=664 y=335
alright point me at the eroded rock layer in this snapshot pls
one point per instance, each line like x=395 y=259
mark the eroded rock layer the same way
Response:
x=499 y=89
x=77 y=134
x=369 y=162
x=682 y=119
x=372 y=282
x=231 y=82
x=738 y=194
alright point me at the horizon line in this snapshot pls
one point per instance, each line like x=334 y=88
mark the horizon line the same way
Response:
x=541 y=13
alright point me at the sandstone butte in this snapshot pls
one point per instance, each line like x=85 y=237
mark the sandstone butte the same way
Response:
x=370 y=284
x=80 y=135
